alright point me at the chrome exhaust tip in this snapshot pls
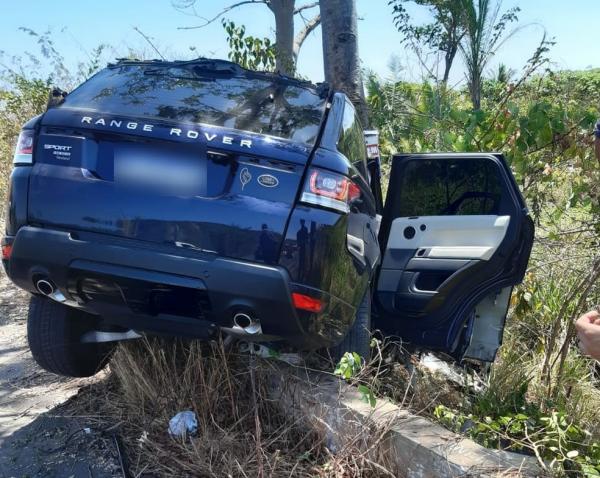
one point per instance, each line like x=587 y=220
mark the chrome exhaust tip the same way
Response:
x=242 y=320
x=247 y=324
x=47 y=288
x=44 y=287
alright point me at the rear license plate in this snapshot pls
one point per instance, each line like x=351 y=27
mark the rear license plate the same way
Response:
x=167 y=172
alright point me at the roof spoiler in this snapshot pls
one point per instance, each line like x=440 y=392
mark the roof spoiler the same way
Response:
x=224 y=66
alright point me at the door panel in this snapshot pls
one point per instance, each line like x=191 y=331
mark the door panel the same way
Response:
x=449 y=237
x=455 y=230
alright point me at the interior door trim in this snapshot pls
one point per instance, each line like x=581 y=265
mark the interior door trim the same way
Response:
x=460 y=252
x=449 y=237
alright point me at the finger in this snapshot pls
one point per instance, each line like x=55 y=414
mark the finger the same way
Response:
x=583 y=323
x=592 y=315
x=585 y=328
x=589 y=317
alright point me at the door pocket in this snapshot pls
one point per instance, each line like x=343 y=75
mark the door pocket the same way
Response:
x=430 y=281
x=439 y=278
x=432 y=273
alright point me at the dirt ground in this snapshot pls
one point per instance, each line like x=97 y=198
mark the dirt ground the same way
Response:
x=41 y=434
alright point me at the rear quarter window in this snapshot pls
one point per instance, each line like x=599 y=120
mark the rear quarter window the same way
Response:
x=351 y=142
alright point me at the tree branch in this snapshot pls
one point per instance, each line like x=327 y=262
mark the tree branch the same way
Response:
x=309 y=27
x=145 y=37
x=208 y=21
x=305 y=7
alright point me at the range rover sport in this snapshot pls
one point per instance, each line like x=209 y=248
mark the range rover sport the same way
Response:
x=198 y=198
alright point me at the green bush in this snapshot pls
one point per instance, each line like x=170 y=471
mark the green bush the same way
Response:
x=554 y=439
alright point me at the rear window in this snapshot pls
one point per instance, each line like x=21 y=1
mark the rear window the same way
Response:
x=259 y=105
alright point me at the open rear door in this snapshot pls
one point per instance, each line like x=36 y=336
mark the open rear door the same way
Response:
x=457 y=237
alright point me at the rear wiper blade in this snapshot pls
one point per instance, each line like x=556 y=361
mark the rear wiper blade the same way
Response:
x=202 y=64
x=217 y=72
x=202 y=68
x=168 y=73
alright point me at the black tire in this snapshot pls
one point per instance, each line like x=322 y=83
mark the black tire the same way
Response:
x=358 y=338
x=53 y=333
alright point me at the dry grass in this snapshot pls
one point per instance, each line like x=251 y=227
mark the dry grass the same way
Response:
x=396 y=373
x=241 y=432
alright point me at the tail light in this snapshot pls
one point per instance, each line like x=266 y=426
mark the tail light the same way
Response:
x=24 y=149
x=306 y=302
x=329 y=190
x=6 y=251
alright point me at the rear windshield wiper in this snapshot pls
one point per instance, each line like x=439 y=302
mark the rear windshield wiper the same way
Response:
x=180 y=76
x=207 y=71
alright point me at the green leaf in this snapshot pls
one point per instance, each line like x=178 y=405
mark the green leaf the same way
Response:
x=367 y=395
x=589 y=471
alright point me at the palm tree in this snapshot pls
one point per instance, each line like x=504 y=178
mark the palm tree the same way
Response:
x=485 y=34
x=503 y=74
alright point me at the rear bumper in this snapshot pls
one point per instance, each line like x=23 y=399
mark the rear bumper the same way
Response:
x=73 y=261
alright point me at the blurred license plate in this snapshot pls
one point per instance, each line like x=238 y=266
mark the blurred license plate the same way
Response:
x=175 y=174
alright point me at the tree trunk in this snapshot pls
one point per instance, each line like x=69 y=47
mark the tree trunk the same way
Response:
x=475 y=88
x=449 y=59
x=340 y=52
x=283 y=10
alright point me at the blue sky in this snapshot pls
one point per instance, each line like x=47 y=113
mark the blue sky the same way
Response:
x=79 y=26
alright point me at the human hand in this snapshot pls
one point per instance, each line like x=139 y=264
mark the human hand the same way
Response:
x=588 y=331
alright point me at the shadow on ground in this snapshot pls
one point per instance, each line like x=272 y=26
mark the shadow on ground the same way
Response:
x=58 y=444
x=41 y=434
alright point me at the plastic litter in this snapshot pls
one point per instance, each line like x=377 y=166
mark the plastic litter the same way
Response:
x=183 y=424
x=447 y=370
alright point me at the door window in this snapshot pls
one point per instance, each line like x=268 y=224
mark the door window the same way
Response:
x=446 y=187
x=351 y=143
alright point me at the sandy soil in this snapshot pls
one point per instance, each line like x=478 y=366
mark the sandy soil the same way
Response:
x=41 y=433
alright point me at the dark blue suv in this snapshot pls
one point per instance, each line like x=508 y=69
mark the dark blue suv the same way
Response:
x=198 y=198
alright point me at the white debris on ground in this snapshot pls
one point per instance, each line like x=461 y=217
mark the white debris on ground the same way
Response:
x=265 y=352
x=463 y=377
x=436 y=365
x=183 y=424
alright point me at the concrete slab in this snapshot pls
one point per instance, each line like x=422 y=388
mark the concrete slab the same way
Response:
x=407 y=445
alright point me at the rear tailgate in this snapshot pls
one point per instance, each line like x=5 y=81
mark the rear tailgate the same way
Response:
x=182 y=184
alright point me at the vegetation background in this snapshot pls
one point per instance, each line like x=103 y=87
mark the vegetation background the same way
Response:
x=540 y=396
